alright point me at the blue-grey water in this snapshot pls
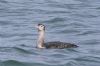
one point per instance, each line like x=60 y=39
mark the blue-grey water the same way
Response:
x=73 y=21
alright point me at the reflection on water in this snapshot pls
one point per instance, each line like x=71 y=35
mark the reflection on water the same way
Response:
x=74 y=21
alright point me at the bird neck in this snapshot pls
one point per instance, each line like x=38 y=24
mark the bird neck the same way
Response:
x=41 y=39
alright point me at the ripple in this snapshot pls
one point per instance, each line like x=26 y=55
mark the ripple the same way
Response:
x=91 y=41
x=58 y=55
x=4 y=23
x=89 y=59
x=18 y=63
x=78 y=25
x=21 y=50
x=89 y=32
x=3 y=1
x=56 y=20
x=13 y=35
x=13 y=63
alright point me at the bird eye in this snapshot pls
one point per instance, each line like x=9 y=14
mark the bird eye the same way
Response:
x=41 y=26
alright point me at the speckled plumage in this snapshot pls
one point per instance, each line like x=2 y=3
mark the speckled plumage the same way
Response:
x=60 y=45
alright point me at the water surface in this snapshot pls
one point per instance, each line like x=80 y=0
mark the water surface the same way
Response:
x=74 y=21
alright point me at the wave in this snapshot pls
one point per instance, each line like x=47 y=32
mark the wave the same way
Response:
x=22 y=49
x=18 y=63
x=13 y=63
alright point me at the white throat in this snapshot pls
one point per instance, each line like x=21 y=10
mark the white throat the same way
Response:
x=41 y=39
